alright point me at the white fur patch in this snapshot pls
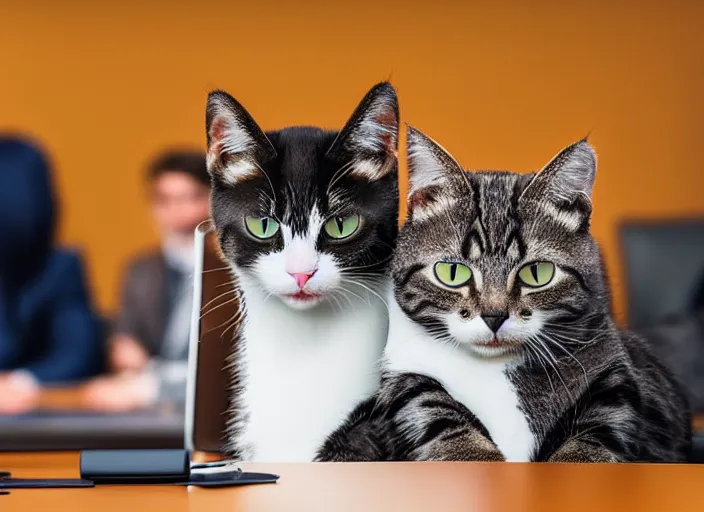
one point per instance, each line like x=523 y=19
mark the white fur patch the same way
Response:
x=474 y=334
x=513 y=251
x=570 y=220
x=370 y=169
x=437 y=207
x=236 y=172
x=468 y=331
x=272 y=275
x=475 y=250
x=372 y=134
x=299 y=250
x=522 y=329
x=479 y=384
x=305 y=371
x=234 y=140
x=426 y=168
x=305 y=364
x=428 y=171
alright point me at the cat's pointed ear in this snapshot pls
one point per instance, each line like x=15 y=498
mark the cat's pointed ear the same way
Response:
x=237 y=147
x=563 y=188
x=430 y=168
x=368 y=143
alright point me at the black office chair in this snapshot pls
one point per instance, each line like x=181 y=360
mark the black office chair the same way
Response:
x=664 y=264
x=664 y=268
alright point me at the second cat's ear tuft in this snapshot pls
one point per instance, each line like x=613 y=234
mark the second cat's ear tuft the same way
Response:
x=564 y=186
x=237 y=147
x=369 y=140
x=430 y=168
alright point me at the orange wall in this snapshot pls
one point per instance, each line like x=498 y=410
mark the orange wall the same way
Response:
x=503 y=86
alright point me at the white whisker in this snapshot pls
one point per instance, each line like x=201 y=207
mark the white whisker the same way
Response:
x=346 y=290
x=230 y=301
x=339 y=174
x=271 y=185
x=571 y=356
x=369 y=289
x=223 y=294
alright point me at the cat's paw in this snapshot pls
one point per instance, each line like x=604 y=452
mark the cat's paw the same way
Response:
x=580 y=452
x=478 y=449
x=487 y=456
x=462 y=456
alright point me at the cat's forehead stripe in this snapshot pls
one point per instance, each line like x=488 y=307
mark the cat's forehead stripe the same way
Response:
x=298 y=206
x=306 y=228
x=496 y=228
x=495 y=212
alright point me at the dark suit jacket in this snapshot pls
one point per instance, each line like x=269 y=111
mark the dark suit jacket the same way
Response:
x=149 y=290
x=144 y=303
x=49 y=327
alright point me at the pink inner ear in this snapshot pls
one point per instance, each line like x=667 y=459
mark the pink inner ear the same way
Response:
x=217 y=132
x=421 y=198
x=387 y=119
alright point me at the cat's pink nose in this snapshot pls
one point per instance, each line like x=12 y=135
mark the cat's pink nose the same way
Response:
x=302 y=278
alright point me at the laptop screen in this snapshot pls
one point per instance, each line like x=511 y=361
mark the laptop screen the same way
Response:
x=214 y=323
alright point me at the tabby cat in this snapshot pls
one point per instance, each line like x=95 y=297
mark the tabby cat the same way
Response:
x=307 y=219
x=501 y=343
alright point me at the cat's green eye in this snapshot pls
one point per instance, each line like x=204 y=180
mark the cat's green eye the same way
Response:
x=342 y=227
x=262 y=227
x=452 y=274
x=537 y=274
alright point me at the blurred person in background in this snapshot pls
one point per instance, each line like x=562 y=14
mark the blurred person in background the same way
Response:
x=149 y=346
x=48 y=331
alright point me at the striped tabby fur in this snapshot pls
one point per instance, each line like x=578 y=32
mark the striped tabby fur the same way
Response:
x=495 y=370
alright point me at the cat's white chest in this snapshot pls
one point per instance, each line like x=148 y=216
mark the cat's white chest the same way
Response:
x=304 y=374
x=480 y=385
x=486 y=391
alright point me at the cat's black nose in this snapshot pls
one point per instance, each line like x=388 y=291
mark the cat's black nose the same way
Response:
x=493 y=322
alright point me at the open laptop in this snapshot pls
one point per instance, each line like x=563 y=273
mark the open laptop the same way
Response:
x=213 y=326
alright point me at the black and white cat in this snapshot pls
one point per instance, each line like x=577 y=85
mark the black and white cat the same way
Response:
x=307 y=219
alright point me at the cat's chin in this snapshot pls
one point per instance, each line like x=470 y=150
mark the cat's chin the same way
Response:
x=495 y=349
x=301 y=301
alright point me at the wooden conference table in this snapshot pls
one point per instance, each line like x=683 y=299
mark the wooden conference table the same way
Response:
x=385 y=487
x=380 y=486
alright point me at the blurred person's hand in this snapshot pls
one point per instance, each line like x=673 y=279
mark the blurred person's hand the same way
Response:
x=123 y=392
x=19 y=393
x=126 y=354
